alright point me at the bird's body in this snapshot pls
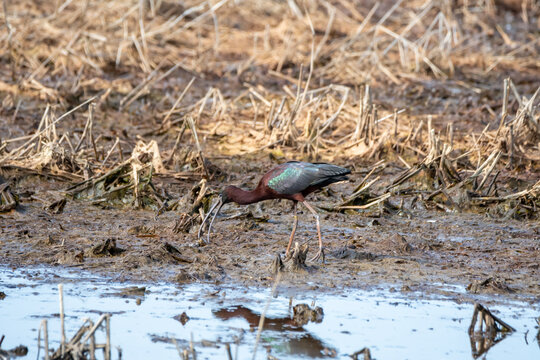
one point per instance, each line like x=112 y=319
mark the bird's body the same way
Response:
x=294 y=181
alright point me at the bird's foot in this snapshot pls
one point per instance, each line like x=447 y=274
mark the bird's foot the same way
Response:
x=319 y=255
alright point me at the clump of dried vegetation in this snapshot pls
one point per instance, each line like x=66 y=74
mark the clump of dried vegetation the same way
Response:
x=436 y=103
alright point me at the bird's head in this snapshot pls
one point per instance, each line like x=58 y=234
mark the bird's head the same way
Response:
x=223 y=198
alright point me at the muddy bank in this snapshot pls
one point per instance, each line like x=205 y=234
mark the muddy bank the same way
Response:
x=414 y=250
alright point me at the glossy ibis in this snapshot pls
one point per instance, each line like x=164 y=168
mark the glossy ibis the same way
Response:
x=293 y=180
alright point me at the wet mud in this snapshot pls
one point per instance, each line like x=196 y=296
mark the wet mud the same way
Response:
x=419 y=250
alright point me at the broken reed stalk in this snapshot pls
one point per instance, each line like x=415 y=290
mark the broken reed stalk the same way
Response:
x=504 y=111
x=87 y=127
x=198 y=144
x=117 y=141
x=261 y=320
x=108 y=335
x=164 y=123
x=92 y=343
x=62 y=328
x=489 y=320
x=42 y=326
x=41 y=131
x=9 y=40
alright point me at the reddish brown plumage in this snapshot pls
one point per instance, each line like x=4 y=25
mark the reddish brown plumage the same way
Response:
x=292 y=181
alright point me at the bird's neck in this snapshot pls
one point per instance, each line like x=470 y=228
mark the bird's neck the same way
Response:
x=244 y=197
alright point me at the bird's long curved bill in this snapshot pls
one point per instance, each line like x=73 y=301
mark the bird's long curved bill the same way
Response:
x=220 y=203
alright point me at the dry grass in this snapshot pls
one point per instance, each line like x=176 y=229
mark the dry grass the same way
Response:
x=445 y=89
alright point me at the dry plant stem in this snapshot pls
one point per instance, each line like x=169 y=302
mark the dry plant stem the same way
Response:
x=92 y=344
x=176 y=103
x=87 y=126
x=108 y=335
x=263 y=315
x=504 y=112
x=199 y=149
x=48 y=127
x=117 y=141
x=10 y=41
x=62 y=331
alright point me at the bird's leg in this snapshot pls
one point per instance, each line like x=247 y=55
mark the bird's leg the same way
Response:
x=320 y=252
x=293 y=230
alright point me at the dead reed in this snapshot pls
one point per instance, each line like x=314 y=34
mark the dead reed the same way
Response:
x=443 y=93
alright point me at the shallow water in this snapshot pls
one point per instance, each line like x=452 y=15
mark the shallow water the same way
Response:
x=393 y=325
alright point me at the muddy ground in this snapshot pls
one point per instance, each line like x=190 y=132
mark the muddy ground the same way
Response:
x=434 y=106
x=410 y=250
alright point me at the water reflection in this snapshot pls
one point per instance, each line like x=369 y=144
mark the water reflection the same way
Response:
x=486 y=330
x=482 y=342
x=304 y=344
